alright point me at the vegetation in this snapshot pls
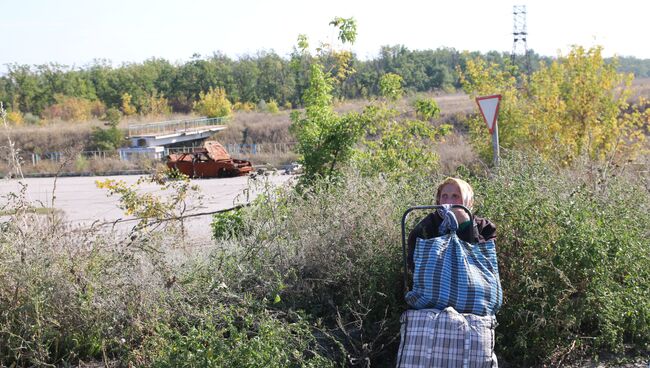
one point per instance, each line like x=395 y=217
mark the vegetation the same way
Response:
x=213 y=104
x=57 y=91
x=573 y=259
x=390 y=86
x=312 y=275
x=576 y=106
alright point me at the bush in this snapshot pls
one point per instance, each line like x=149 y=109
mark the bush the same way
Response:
x=107 y=139
x=227 y=225
x=232 y=336
x=213 y=104
x=261 y=106
x=31 y=119
x=426 y=108
x=75 y=109
x=573 y=258
x=156 y=105
x=15 y=118
x=576 y=106
x=272 y=107
x=112 y=116
x=334 y=251
x=244 y=106
x=390 y=86
x=88 y=296
x=127 y=108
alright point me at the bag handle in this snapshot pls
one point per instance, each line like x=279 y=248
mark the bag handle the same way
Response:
x=405 y=215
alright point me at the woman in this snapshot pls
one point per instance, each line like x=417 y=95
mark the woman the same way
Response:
x=440 y=328
x=452 y=191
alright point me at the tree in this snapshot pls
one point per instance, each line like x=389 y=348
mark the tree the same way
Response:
x=325 y=140
x=347 y=29
x=390 y=86
x=213 y=104
x=127 y=108
x=112 y=138
x=576 y=106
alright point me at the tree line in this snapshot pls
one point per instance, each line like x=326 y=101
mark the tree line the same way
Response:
x=49 y=90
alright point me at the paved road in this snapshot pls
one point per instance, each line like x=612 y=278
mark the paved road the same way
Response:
x=82 y=203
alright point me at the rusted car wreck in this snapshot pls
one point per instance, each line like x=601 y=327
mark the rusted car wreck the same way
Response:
x=211 y=161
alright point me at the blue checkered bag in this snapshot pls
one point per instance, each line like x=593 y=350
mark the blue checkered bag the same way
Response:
x=450 y=272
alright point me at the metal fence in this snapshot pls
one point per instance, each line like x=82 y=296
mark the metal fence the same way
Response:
x=172 y=126
x=235 y=150
x=243 y=149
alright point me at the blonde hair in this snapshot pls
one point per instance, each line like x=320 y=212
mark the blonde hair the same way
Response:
x=466 y=191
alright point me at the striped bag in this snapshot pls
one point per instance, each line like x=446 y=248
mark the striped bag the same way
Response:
x=450 y=272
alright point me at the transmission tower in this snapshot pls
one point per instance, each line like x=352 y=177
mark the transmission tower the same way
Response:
x=520 y=34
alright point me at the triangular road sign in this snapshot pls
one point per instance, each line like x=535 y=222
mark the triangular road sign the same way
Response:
x=489 y=106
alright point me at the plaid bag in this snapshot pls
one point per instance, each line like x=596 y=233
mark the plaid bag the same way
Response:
x=433 y=338
x=450 y=272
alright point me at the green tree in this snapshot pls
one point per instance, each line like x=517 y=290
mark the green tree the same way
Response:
x=390 y=86
x=325 y=140
x=111 y=138
x=347 y=29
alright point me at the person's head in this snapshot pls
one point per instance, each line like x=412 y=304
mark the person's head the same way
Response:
x=455 y=191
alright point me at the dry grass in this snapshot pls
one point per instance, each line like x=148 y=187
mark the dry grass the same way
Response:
x=49 y=138
x=271 y=159
x=257 y=127
x=455 y=151
x=450 y=104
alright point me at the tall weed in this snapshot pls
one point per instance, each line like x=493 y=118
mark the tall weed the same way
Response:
x=574 y=261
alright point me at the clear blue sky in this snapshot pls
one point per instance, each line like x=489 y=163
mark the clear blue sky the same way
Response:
x=74 y=32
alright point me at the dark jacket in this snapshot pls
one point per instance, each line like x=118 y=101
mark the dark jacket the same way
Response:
x=482 y=231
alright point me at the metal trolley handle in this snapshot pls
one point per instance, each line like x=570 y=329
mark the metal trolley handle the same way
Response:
x=405 y=215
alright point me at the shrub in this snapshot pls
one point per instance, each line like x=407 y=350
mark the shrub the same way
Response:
x=107 y=139
x=31 y=119
x=573 y=258
x=390 y=86
x=227 y=225
x=261 y=106
x=244 y=106
x=426 y=108
x=75 y=109
x=127 y=108
x=334 y=251
x=15 y=118
x=272 y=107
x=73 y=297
x=156 y=105
x=235 y=337
x=112 y=116
x=213 y=104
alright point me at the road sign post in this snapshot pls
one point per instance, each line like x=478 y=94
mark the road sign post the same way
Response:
x=489 y=107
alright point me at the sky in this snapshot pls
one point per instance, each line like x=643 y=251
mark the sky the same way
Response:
x=76 y=32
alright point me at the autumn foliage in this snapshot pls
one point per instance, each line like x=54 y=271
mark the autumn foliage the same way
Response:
x=575 y=106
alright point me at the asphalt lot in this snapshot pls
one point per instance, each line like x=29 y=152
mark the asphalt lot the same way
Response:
x=82 y=203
